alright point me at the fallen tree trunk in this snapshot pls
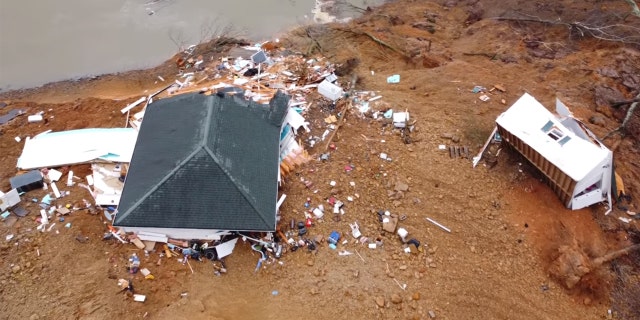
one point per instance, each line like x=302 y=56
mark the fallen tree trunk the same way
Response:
x=634 y=8
x=614 y=255
x=627 y=117
x=622 y=103
x=573 y=264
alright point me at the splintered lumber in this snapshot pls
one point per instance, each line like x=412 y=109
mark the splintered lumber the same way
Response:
x=167 y=252
x=340 y=122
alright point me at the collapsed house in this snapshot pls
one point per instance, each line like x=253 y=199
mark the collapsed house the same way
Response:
x=205 y=166
x=576 y=165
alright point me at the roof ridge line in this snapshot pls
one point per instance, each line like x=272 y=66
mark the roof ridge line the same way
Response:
x=163 y=180
x=210 y=120
x=201 y=145
x=207 y=126
x=244 y=194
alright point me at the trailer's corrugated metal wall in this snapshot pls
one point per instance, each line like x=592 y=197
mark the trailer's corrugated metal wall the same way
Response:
x=559 y=181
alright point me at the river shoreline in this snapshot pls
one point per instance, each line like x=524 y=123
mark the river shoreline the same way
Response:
x=24 y=66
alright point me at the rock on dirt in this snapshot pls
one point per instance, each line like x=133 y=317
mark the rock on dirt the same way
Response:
x=597 y=120
x=380 y=301
x=401 y=186
x=198 y=305
x=570 y=266
x=88 y=308
x=604 y=96
x=396 y=298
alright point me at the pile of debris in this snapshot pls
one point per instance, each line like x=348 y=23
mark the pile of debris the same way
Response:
x=52 y=207
x=252 y=74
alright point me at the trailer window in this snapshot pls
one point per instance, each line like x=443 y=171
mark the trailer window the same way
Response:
x=564 y=140
x=555 y=133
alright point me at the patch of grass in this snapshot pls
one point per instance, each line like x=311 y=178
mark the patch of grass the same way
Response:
x=475 y=130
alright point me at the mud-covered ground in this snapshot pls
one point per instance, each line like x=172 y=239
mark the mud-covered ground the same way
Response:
x=508 y=229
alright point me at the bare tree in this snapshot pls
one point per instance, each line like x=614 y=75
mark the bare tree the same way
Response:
x=213 y=28
x=214 y=34
x=178 y=38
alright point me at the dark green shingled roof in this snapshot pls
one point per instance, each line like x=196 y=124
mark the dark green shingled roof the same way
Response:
x=205 y=162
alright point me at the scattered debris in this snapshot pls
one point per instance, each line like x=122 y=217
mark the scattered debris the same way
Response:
x=459 y=152
x=28 y=181
x=10 y=116
x=393 y=79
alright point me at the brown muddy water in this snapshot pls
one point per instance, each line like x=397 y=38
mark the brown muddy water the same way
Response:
x=45 y=41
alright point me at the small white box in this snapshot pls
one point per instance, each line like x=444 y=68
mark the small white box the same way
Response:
x=70 y=179
x=54 y=175
x=400 y=119
x=35 y=118
x=330 y=90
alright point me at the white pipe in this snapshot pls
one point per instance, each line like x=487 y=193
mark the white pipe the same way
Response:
x=439 y=225
x=132 y=105
x=280 y=201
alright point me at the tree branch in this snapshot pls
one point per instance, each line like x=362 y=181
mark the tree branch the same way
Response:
x=315 y=41
x=376 y=40
x=612 y=32
x=489 y=55
x=178 y=38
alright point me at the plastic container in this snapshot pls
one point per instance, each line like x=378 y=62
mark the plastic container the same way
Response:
x=318 y=213
x=302 y=229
